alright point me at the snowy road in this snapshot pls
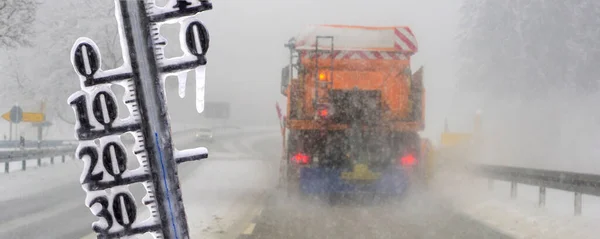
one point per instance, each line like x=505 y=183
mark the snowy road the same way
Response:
x=232 y=195
x=419 y=216
x=26 y=198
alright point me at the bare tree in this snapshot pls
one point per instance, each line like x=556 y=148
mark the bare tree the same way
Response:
x=16 y=22
x=103 y=14
x=112 y=56
x=100 y=16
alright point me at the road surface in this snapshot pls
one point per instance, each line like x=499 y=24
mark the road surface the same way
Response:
x=235 y=198
x=61 y=213
x=418 y=216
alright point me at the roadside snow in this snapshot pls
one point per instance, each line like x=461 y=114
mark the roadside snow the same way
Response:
x=232 y=187
x=228 y=185
x=35 y=180
x=520 y=217
x=21 y=184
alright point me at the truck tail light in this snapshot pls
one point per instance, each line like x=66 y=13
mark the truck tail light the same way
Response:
x=408 y=160
x=301 y=159
x=324 y=111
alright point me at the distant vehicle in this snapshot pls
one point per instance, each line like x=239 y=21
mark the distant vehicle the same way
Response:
x=205 y=135
x=354 y=111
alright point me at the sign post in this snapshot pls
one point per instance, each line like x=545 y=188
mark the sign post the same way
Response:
x=16 y=115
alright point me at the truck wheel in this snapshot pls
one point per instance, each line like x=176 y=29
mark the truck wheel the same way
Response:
x=333 y=199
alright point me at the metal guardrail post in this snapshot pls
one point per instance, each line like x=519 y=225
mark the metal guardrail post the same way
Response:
x=513 y=190
x=6 y=167
x=24 y=165
x=542 y=201
x=578 y=183
x=63 y=159
x=51 y=160
x=577 y=203
x=39 y=162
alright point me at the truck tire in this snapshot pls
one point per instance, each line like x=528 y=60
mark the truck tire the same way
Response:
x=333 y=199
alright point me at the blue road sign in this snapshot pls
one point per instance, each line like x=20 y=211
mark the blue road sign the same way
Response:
x=16 y=114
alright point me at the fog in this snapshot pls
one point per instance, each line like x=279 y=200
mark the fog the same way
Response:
x=536 y=87
x=247 y=53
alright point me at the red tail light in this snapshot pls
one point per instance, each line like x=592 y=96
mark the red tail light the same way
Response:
x=301 y=158
x=323 y=113
x=408 y=160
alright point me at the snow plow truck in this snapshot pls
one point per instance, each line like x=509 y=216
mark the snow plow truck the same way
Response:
x=354 y=112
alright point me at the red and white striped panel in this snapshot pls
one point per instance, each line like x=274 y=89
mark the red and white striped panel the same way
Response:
x=353 y=55
x=405 y=39
x=400 y=39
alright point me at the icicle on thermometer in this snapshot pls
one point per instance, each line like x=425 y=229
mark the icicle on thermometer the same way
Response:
x=106 y=177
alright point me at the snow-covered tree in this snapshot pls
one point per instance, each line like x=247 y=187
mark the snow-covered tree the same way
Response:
x=16 y=22
x=529 y=47
x=43 y=72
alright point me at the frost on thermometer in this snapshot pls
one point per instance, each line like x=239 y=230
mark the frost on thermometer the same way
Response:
x=106 y=176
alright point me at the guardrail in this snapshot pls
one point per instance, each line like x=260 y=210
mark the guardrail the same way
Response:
x=23 y=155
x=578 y=183
x=36 y=144
x=63 y=148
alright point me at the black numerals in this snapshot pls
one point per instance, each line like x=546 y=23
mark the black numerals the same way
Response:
x=90 y=177
x=86 y=60
x=106 y=177
x=102 y=213
x=114 y=163
x=105 y=109
x=197 y=39
x=81 y=110
x=124 y=210
x=105 y=113
x=115 y=160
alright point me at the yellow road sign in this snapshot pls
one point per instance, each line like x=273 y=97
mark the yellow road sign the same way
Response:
x=6 y=116
x=27 y=117
x=453 y=139
x=33 y=117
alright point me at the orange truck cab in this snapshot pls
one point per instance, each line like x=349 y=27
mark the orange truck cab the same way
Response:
x=354 y=110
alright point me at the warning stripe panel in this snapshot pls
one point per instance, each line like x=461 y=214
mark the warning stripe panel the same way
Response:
x=377 y=55
x=392 y=38
x=366 y=55
x=405 y=40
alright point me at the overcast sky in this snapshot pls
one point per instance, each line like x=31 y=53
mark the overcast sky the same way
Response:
x=247 y=52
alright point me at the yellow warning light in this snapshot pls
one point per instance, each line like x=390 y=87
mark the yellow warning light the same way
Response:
x=322 y=76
